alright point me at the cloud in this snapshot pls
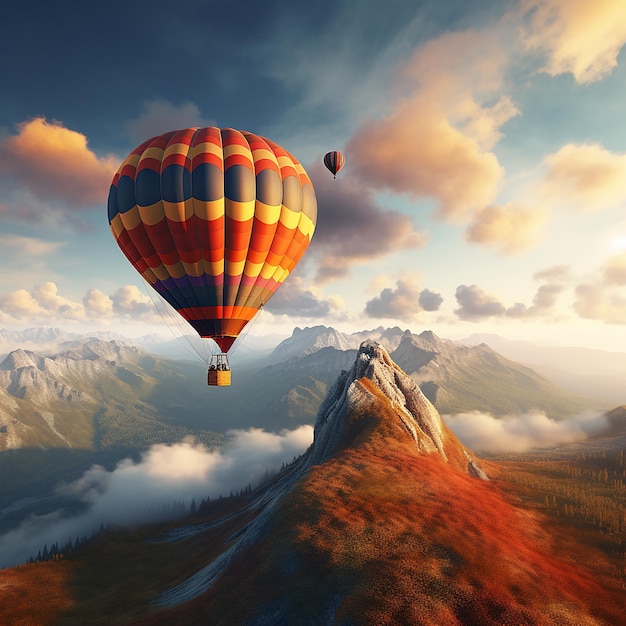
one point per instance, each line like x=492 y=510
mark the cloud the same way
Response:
x=510 y=228
x=28 y=247
x=585 y=176
x=160 y=116
x=44 y=304
x=599 y=302
x=139 y=492
x=429 y=300
x=352 y=228
x=404 y=302
x=484 y=433
x=603 y=296
x=476 y=304
x=435 y=141
x=55 y=164
x=614 y=270
x=97 y=304
x=130 y=301
x=578 y=37
x=293 y=298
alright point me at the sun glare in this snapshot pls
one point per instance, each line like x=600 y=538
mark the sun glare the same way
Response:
x=618 y=244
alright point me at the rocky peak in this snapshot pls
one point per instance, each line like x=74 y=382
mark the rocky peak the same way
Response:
x=374 y=377
x=21 y=358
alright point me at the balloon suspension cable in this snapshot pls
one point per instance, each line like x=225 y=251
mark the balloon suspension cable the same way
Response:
x=179 y=328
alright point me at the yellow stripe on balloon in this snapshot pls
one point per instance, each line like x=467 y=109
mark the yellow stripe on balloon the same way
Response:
x=252 y=269
x=153 y=152
x=214 y=268
x=268 y=271
x=175 y=271
x=264 y=153
x=204 y=148
x=235 y=268
x=211 y=210
x=194 y=269
x=131 y=219
x=176 y=148
x=289 y=218
x=306 y=225
x=149 y=276
x=117 y=226
x=267 y=213
x=230 y=149
x=280 y=274
x=240 y=211
x=178 y=211
x=152 y=214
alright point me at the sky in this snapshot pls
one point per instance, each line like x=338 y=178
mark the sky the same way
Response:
x=485 y=181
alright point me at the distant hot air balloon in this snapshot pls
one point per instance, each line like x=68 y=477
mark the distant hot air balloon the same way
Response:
x=214 y=220
x=334 y=161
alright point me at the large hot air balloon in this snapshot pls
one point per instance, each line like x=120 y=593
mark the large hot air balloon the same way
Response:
x=334 y=161
x=214 y=220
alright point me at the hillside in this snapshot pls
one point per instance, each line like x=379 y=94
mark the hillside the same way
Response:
x=386 y=519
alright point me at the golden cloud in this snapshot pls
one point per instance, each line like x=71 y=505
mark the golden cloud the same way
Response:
x=614 y=272
x=578 y=36
x=435 y=141
x=586 y=176
x=510 y=228
x=600 y=302
x=55 y=162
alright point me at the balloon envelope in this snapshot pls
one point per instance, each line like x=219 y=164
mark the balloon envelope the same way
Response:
x=334 y=161
x=214 y=220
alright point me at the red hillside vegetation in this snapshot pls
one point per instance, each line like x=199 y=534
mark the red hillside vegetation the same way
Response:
x=380 y=535
x=380 y=522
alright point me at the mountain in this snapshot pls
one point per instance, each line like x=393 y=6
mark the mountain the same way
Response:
x=95 y=402
x=595 y=373
x=386 y=519
x=459 y=378
x=305 y=341
x=454 y=376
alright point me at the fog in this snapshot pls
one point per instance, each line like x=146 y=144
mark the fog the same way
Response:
x=483 y=433
x=141 y=492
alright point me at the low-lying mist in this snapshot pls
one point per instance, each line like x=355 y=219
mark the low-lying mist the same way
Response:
x=144 y=491
x=483 y=433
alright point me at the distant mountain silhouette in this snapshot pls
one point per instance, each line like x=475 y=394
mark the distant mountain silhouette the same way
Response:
x=386 y=519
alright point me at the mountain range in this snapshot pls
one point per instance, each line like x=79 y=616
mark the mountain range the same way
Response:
x=81 y=401
x=91 y=393
x=386 y=519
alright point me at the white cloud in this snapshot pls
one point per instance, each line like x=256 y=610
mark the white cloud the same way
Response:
x=136 y=492
x=484 y=433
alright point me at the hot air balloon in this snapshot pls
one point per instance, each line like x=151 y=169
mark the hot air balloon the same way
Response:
x=214 y=220
x=334 y=161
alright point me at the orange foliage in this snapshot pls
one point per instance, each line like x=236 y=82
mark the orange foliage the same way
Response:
x=35 y=594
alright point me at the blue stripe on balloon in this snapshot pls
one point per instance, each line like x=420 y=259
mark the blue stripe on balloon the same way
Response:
x=239 y=183
x=112 y=203
x=148 y=187
x=125 y=200
x=176 y=183
x=207 y=182
x=189 y=291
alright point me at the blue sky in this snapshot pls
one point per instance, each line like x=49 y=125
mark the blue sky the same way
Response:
x=485 y=184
